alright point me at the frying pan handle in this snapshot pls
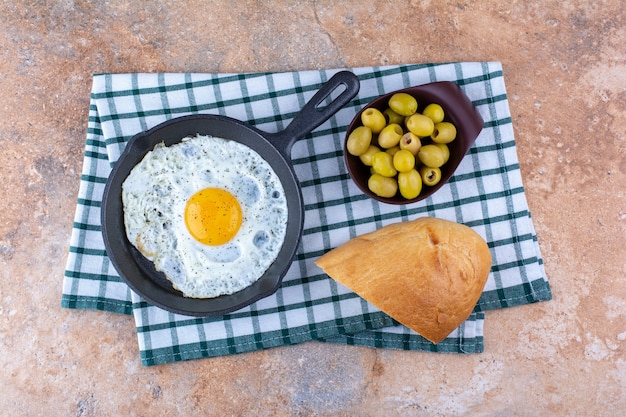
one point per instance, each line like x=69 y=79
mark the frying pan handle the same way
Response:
x=316 y=111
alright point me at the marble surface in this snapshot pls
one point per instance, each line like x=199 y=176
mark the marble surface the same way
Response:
x=565 y=69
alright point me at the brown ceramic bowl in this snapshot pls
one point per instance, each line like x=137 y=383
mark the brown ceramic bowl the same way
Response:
x=458 y=109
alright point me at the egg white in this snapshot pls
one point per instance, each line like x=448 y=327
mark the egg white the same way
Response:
x=154 y=197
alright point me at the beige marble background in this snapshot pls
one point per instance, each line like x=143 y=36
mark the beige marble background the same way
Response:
x=565 y=69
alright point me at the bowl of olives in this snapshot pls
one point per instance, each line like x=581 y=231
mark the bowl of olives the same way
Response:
x=405 y=145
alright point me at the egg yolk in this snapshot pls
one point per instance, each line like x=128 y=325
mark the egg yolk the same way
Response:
x=213 y=216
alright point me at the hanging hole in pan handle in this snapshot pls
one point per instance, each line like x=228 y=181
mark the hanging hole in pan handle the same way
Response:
x=328 y=100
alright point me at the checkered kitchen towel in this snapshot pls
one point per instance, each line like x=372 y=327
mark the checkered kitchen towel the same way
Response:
x=486 y=193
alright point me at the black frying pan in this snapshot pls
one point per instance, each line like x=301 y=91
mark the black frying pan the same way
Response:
x=140 y=274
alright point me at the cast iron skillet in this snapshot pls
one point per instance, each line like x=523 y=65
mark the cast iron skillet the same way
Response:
x=140 y=274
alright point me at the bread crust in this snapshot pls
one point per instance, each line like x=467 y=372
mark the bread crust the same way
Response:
x=427 y=274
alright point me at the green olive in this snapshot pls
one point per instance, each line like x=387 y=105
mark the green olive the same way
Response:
x=392 y=151
x=431 y=156
x=411 y=142
x=420 y=125
x=402 y=103
x=366 y=157
x=389 y=143
x=435 y=112
x=444 y=132
x=446 y=151
x=392 y=116
x=382 y=186
x=390 y=136
x=430 y=176
x=382 y=163
x=410 y=184
x=403 y=161
x=374 y=119
x=359 y=140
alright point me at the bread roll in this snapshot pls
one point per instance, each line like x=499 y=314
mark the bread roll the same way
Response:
x=427 y=273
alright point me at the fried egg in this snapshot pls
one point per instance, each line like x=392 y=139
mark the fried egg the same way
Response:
x=210 y=213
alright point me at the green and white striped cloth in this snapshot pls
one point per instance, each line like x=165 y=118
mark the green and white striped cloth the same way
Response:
x=486 y=193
